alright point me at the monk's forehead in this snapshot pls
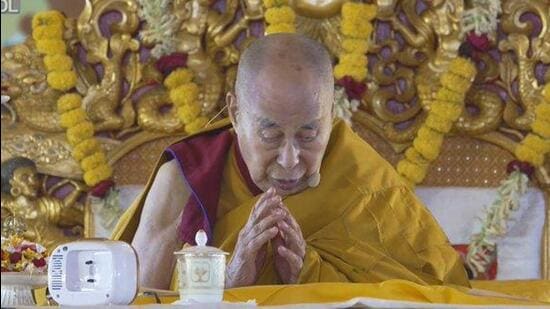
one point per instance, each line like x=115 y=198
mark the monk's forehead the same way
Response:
x=284 y=90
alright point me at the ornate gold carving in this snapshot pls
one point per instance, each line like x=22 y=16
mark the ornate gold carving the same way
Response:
x=530 y=49
x=431 y=39
x=36 y=147
x=24 y=80
x=45 y=218
x=104 y=99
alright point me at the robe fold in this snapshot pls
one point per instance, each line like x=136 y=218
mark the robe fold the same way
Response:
x=361 y=224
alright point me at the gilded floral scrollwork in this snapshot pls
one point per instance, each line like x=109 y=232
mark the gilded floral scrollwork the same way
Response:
x=104 y=99
x=24 y=81
x=528 y=41
x=412 y=46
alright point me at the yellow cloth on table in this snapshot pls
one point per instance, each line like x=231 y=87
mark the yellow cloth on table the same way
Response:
x=390 y=290
x=533 y=289
x=361 y=224
x=335 y=292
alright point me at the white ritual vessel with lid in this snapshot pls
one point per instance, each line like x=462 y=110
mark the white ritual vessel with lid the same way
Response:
x=201 y=272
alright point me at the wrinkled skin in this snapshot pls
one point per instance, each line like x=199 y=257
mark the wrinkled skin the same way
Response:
x=269 y=220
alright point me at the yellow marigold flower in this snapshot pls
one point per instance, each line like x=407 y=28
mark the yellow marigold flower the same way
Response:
x=455 y=83
x=542 y=111
x=97 y=175
x=184 y=94
x=178 y=77
x=58 y=62
x=429 y=149
x=358 y=11
x=197 y=125
x=415 y=157
x=546 y=93
x=72 y=118
x=357 y=73
x=48 y=32
x=189 y=112
x=62 y=81
x=352 y=60
x=446 y=110
x=274 y=3
x=368 y=11
x=51 y=46
x=280 y=28
x=463 y=67
x=47 y=18
x=355 y=30
x=437 y=123
x=68 y=102
x=537 y=143
x=85 y=148
x=428 y=134
x=541 y=127
x=80 y=132
x=91 y=162
x=411 y=171
x=280 y=15
x=527 y=154
x=446 y=95
x=355 y=46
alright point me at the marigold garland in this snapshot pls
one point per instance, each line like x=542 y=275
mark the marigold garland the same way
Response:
x=51 y=46
x=279 y=16
x=184 y=94
x=58 y=62
x=54 y=31
x=356 y=29
x=444 y=111
x=62 y=81
x=536 y=145
x=47 y=32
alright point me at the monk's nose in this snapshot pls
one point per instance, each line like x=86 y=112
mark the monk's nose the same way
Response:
x=288 y=156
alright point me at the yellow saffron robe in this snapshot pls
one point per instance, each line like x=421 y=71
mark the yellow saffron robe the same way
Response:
x=361 y=224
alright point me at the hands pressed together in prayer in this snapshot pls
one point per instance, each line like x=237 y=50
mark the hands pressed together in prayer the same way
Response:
x=269 y=220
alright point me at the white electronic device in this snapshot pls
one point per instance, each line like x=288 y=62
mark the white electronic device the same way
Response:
x=93 y=272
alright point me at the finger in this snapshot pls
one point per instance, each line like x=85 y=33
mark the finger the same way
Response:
x=265 y=223
x=257 y=242
x=263 y=198
x=294 y=261
x=265 y=207
x=277 y=242
x=290 y=219
x=267 y=195
x=293 y=240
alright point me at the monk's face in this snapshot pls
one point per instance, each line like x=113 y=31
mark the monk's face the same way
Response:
x=283 y=123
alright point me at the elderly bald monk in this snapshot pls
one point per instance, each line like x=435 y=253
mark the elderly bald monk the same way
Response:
x=294 y=196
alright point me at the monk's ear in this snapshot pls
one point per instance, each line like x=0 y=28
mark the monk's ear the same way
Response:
x=231 y=102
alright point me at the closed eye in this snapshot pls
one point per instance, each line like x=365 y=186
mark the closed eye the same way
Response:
x=308 y=135
x=271 y=135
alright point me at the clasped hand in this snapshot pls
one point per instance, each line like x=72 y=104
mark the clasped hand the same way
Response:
x=269 y=220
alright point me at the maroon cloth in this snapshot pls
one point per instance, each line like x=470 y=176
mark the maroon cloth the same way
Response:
x=202 y=159
x=243 y=169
